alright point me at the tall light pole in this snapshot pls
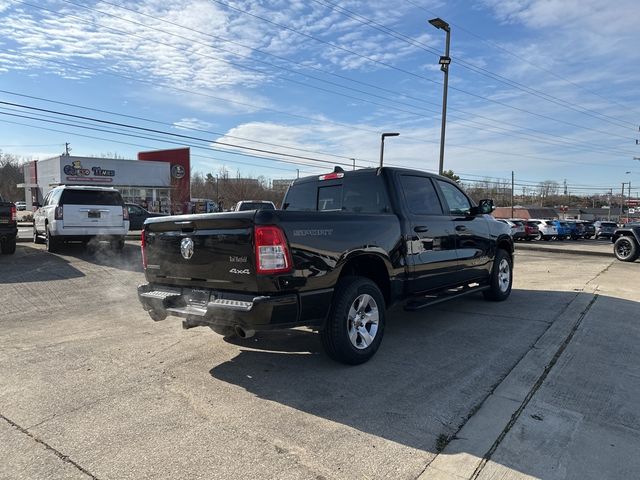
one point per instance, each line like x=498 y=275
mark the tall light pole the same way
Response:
x=445 y=61
x=382 y=137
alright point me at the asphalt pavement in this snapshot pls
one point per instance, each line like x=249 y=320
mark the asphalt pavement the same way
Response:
x=543 y=385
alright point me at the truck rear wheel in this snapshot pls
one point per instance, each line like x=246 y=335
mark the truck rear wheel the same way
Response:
x=356 y=321
x=626 y=249
x=501 y=277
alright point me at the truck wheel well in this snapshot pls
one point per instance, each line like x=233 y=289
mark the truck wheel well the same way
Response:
x=371 y=267
x=506 y=246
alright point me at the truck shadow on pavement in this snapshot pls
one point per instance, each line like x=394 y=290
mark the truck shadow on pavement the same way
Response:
x=433 y=371
x=33 y=264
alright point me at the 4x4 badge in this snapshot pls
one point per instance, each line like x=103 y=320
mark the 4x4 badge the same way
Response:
x=186 y=248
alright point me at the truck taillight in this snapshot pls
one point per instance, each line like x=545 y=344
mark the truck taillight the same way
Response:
x=58 y=213
x=125 y=213
x=144 y=254
x=14 y=213
x=272 y=253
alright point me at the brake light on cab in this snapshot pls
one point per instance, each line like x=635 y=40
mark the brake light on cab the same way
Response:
x=272 y=252
x=331 y=176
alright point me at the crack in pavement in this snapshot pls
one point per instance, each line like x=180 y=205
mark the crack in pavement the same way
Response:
x=57 y=453
x=536 y=386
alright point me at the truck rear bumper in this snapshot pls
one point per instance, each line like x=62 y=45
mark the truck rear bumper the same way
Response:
x=203 y=307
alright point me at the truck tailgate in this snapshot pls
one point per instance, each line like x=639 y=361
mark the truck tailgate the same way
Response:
x=208 y=250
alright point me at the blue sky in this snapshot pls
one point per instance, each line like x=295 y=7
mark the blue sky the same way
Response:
x=547 y=88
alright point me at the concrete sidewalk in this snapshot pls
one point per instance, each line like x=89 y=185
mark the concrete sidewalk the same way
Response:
x=568 y=409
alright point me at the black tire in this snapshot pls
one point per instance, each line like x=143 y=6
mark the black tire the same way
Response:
x=501 y=278
x=36 y=237
x=8 y=247
x=342 y=338
x=51 y=242
x=626 y=249
x=546 y=238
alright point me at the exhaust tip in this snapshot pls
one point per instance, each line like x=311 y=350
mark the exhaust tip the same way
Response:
x=242 y=333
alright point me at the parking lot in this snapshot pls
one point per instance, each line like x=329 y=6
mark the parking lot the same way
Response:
x=543 y=385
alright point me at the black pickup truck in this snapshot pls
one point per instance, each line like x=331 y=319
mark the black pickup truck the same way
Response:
x=343 y=248
x=8 y=227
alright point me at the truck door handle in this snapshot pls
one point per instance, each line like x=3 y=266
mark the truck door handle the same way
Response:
x=420 y=229
x=460 y=228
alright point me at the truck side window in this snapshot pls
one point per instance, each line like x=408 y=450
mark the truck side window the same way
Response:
x=301 y=197
x=364 y=194
x=458 y=202
x=420 y=195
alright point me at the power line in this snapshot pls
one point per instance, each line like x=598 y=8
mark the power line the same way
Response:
x=522 y=59
x=511 y=154
x=469 y=66
x=171 y=134
x=580 y=146
x=502 y=182
x=511 y=133
x=412 y=73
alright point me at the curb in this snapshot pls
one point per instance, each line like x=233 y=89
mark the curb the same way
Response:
x=536 y=248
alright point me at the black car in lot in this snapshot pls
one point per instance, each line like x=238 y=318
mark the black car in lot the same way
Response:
x=589 y=230
x=344 y=247
x=137 y=215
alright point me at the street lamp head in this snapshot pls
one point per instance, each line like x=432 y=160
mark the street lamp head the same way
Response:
x=384 y=135
x=439 y=23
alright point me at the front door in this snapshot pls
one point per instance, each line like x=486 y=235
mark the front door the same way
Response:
x=473 y=238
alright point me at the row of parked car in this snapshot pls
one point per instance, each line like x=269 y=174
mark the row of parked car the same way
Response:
x=541 y=229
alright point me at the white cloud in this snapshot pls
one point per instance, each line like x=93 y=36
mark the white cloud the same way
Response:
x=192 y=124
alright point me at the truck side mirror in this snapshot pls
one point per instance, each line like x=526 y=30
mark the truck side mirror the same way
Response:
x=484 y=207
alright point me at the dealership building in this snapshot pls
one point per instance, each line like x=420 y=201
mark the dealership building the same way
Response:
x=158 y=180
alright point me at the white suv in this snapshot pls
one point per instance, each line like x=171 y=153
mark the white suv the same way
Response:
x=81 y=213
x=546 y=229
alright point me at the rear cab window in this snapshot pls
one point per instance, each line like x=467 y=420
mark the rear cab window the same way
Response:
x=356 y=193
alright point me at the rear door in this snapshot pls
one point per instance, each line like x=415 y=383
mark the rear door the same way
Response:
x=92 y=208
x=430 y=235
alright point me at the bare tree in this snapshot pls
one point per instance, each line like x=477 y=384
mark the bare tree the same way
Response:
x=11 y=174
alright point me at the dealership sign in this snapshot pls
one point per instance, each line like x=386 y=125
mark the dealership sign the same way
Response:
x=76 y=172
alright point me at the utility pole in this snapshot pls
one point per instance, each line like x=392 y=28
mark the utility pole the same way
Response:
x=297 y=173
x=610 y=193
x=66 y=149
x=622 y=200
x=354 y=163
x=512 y=188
